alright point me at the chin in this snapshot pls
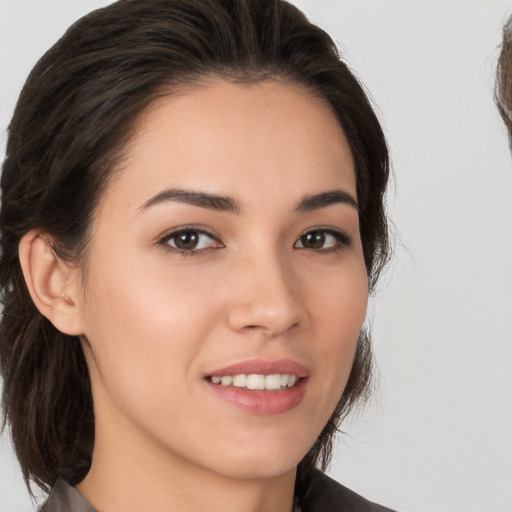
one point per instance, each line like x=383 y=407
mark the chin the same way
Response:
x=262 y=462
x=260 y=471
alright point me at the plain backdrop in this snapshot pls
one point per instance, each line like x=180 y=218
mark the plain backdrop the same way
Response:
x=438 y=435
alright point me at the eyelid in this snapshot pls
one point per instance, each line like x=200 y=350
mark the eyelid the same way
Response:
x=169 y=233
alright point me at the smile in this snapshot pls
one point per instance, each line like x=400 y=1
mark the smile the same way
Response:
x=258 y=386
x=253 y=381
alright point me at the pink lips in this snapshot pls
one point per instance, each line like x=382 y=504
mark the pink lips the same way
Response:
x=262 y=367
x=262 y=402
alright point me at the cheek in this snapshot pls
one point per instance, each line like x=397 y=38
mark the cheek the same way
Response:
x=338 y=309
x=146 y=327
x=338 y=300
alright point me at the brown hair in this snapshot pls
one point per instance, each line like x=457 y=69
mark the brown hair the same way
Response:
x=503 y=91
x=75 y=115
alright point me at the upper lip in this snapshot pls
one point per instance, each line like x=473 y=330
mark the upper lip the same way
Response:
x=262 y=367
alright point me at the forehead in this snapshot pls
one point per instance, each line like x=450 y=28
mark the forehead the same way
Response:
x=238 y=139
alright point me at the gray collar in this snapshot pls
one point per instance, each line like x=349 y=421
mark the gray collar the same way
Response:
x=65 y=498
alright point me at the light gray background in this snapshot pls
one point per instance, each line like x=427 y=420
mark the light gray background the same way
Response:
x=438 y=435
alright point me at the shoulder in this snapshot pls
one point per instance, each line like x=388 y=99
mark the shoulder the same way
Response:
x=65 y=498
x=323 y=494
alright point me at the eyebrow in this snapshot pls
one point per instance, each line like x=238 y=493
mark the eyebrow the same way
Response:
x=227 y=204
x=324 y=199
x=201 y=199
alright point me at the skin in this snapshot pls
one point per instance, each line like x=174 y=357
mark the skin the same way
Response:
x=155 y=321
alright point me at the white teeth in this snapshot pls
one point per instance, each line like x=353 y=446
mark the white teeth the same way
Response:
x=226 y=381
x=256 y=381
x=240 y=381
x=272 y=381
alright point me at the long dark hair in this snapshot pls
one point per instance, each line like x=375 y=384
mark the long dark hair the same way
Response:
x=73 y=119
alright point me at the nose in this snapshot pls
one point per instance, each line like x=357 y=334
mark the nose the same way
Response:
x=267 y=297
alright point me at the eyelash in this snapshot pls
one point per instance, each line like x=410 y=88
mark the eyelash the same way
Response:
x=342 y=241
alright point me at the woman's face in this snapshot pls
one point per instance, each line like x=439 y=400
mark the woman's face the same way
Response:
x=227 y=246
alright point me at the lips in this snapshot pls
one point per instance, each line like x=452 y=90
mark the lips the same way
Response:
x=262 y=367
x=261 y=386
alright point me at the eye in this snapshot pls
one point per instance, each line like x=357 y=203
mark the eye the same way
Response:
x=322 y=239
x=190 y=240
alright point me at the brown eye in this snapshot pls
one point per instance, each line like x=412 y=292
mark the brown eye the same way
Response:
x=322 y=239
x=187 y=240
x=313 y=240
x=190 y=240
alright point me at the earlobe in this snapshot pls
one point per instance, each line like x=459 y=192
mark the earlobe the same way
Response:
x=51 y=282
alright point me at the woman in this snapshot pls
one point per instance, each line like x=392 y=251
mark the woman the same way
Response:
x=192 y=218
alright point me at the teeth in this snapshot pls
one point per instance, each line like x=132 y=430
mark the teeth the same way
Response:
x=240 y=381
x=226 y=381
x=272 y=381
x=256 y=381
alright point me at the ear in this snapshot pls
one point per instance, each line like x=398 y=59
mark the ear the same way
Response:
x=52 y=283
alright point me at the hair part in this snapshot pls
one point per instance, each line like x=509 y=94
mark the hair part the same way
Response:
x=73 y=121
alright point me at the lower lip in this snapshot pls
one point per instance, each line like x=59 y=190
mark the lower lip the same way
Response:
x=262 y=401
